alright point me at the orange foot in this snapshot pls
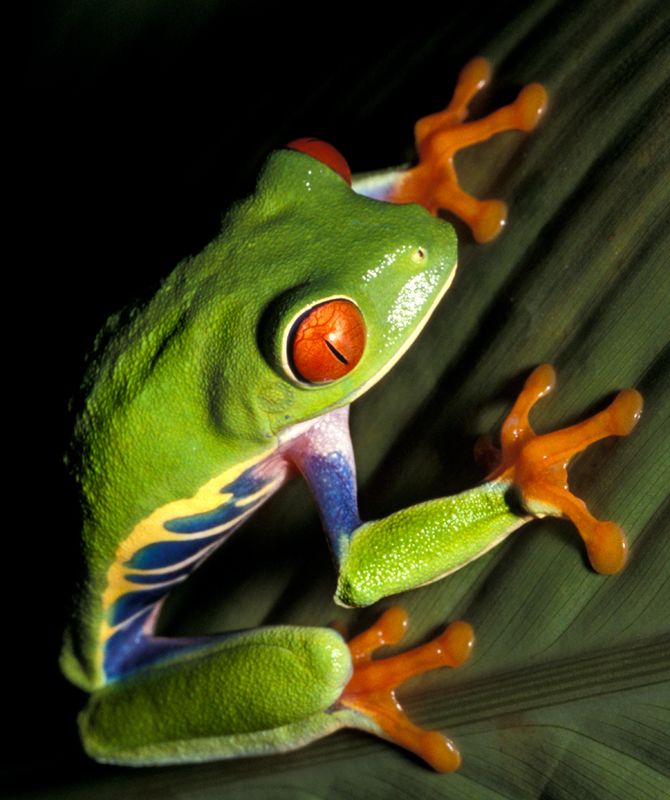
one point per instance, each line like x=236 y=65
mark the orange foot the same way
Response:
x=433 y=183
x=371 y=690
x=537 y=464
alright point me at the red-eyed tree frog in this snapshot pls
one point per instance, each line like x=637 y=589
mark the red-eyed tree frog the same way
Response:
x=238 y=374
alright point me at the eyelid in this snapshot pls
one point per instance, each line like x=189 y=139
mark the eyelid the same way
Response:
x=323 y=152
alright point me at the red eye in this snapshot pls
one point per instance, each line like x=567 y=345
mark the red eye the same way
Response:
x=323 y=152
x=327 y=341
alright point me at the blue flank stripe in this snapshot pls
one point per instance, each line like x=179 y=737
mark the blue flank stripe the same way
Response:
x=164 y=554
x=124 y=645
x=132 y=602
x=242 y=487
x=199 y=523
x=246 y=484
x=159 y=577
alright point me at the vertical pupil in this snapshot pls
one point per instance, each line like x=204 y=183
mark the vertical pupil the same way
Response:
x=336 y=352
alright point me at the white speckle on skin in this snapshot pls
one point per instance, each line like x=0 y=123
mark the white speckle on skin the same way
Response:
x=308 y=184
x=411 y=299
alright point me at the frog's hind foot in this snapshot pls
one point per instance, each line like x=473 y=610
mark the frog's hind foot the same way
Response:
x=433 y=183
x=537 y=464
x=371 y=689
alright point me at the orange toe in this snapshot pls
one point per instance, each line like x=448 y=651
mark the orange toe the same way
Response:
x=371 y=690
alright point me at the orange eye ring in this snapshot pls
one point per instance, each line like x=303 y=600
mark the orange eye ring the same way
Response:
x=324 y=152
x=327 y=341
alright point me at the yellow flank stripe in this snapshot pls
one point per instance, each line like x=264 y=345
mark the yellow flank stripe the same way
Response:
x=151 y=529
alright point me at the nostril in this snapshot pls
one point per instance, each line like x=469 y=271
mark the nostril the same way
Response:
x=419 y=255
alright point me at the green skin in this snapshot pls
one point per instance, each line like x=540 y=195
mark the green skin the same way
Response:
x=196 y=382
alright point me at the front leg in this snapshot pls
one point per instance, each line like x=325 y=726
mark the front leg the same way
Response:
x=427 y=541
x=409 y=548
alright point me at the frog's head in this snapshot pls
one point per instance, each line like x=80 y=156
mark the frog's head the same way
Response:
x=340 y=284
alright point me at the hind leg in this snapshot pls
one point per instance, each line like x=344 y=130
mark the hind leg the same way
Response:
x=269 y=690
x=259 y=691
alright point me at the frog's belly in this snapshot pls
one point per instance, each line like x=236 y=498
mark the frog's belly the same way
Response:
x=163 y=550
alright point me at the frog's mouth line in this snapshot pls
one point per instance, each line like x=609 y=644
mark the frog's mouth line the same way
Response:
x=410 y=339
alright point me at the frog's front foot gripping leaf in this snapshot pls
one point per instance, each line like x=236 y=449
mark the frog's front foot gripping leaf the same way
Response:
x=537 y=464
